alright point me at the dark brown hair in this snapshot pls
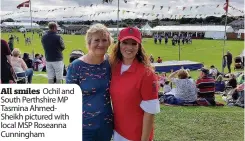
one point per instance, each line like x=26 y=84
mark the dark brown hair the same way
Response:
x=116 y=56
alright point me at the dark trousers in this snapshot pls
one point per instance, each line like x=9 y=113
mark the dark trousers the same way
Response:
x=229 y=67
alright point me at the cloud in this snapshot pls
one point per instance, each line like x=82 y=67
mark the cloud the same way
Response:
x=82 y=7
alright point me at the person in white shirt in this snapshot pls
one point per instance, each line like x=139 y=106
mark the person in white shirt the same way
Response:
x=213 y=71
x=166 y=87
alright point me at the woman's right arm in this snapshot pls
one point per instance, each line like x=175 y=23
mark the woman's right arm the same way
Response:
x=72 y=77
x=23 y=65
x=172 y=75
x=9 y=59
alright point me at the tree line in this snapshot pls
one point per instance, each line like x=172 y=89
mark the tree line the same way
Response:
x=213 y=20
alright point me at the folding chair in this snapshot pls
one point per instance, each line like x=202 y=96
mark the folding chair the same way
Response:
x=21 y=77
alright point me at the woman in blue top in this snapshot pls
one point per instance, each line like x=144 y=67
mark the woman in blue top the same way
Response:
x=92 y=73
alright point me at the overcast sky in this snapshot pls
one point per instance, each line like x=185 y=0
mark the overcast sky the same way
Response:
x=82 y=8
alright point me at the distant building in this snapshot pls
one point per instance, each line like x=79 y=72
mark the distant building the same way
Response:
x=237 y=24
x=75 y=29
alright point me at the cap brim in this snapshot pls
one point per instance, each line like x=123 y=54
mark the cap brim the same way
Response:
x=131 y=37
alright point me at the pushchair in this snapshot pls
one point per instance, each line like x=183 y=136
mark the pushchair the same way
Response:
x=75 y=54
x=238 y=63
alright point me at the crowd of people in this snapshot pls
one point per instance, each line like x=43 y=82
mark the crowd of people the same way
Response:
x=120 y=88
x=201 y=91
x=176 y=39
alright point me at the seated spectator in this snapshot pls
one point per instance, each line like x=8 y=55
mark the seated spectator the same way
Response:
x=232 y=81
x=185 y=91
x=166 y=87
x=219 y=84
x=159 y=60
x=43 y=62
x=189 y=76
x=213 y=71
x=206 y=87
x=151 y=59
x=37 y=63
x=27 y=60
x=19 y=64
x=162 y=79
x=240 y=79
x=235 y=97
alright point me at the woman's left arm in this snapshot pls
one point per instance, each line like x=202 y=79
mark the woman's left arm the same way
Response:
x=149 y=104
x=148 y=122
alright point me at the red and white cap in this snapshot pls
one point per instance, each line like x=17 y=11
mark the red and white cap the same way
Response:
x=130 y=33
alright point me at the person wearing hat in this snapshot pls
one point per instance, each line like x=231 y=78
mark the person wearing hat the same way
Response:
x=134 y=88
x=92 y=72
x=206 y=86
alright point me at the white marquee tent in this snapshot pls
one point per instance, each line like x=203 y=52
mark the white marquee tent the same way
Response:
x=211 y=31
x=18 y=24
x=146 y=29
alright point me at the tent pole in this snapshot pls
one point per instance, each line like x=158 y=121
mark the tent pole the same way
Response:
x=117 y=18
x=31 y=29
x=224 y=39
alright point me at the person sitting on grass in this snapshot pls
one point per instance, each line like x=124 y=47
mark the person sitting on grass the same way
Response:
x=185 y=91
x=232 y=81
x=206 y=88
x=162 y=79
x=166 y=87
x=151 y=59
x=219 y=84
x=240 y=78
x=213 y=71
x=28 y=61
x=37 y=63
x=159 y=60
x=235 y=97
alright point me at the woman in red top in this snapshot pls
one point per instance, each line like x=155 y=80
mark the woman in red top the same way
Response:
x=133 y=89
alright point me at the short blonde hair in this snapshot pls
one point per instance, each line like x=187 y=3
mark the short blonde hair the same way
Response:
x=97 y=28
x=182 y=74
x=16 y=52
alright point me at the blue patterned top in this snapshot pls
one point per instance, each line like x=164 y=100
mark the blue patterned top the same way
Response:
x=94 y=80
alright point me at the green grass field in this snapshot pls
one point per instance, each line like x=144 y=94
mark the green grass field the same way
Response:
x=176 y=123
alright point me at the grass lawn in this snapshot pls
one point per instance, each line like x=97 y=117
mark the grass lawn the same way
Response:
x=176 y=123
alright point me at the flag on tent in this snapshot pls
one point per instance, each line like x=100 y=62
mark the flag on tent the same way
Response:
x=226 y=5
x=24 y=4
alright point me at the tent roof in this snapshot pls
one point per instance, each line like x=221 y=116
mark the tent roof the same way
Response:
x=146 y=27
x=194 y=28
x=19 y=24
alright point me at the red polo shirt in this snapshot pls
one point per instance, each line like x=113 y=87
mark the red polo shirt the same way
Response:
x=128 y=90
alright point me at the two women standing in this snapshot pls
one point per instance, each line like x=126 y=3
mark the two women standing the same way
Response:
x=128 y=79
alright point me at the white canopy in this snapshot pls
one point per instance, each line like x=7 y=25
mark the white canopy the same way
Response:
x=146 y=27
x=14 y=24
x=193 y=28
